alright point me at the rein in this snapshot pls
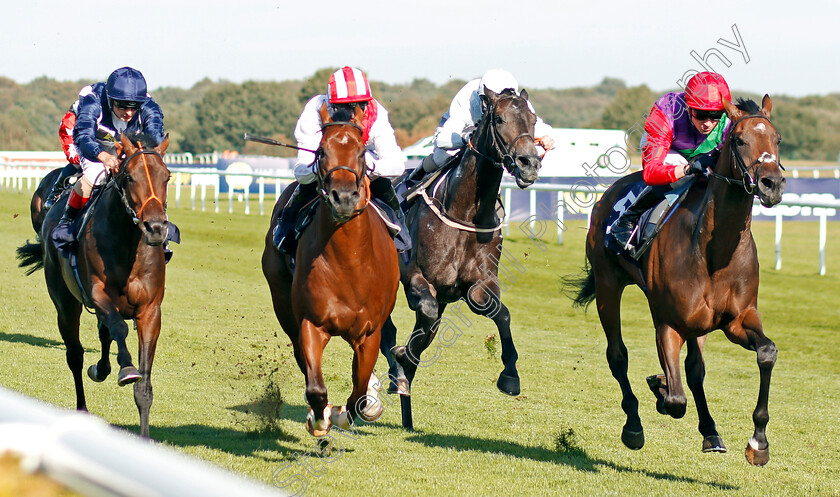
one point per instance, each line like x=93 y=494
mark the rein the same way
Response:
x=324 y=176
x=135 y=215
x=746 y=181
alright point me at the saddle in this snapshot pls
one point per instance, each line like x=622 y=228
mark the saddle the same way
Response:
x=651 y=222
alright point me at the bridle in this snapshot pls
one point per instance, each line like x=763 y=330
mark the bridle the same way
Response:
x=324 y=176
x=747 y=182
x=500 y=149
x=135 y=215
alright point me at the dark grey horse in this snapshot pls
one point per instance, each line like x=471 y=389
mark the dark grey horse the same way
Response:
x=457 y=240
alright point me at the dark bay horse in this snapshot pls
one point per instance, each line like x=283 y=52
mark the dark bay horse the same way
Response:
x=345 y=278
x=700 y=275
x=457 y=249
x=121 y=269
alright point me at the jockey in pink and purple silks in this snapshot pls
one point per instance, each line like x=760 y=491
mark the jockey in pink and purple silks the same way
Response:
x=683 y=135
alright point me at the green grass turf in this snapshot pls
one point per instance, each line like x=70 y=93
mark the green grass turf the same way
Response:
x=222 y=364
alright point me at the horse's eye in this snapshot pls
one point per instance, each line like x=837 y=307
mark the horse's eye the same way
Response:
x=779 y=140
x=499 y=120
x=739 y=142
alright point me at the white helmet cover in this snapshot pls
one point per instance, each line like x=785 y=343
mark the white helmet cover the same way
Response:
x=498 y=80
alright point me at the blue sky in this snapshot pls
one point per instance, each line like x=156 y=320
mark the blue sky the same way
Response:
x=781 y=47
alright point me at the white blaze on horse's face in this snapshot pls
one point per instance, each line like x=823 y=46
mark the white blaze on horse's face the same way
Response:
x=766 y=157
x=760 y=127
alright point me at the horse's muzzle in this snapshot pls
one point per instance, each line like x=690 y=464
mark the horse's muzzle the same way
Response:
x=154 y=232
x=343 y=203
x=527 y=170
x=770 y=188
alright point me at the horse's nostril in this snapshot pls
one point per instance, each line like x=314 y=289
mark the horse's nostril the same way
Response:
x=768 y=183
x=335 y=196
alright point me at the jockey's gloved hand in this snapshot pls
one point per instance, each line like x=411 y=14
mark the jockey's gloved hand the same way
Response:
x=465 y=135
x=700 y=165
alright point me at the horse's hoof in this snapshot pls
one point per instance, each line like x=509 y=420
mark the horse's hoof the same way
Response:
x=713 y=443
x=93 y=374
x=756 y=456
x=633 y=439
x=392 y=388
x=508 y=384
x=403 y=387
x=128 y=375
x=340 y=417
x=372 y=411
x=322 y=426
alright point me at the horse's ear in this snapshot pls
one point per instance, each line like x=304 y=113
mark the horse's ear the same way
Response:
x=359 y=114
x=161 y=149
x=733 y=112
x=524 y=94
x=119 y=148
x=766 y=106
x=325 y=113
x=491 y=95
x=127 y=146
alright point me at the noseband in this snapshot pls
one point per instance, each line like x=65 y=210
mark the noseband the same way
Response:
x=502 y=151
x=324 y=176
x=135 y=215
x=746 y=181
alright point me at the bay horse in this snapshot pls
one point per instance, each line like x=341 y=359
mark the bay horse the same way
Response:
x=458 y=242
x=121 y=270
x=700 y=274
x=345 y=278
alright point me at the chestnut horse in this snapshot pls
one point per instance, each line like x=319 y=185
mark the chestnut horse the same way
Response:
x=345 y=278
x=458 y=242
x=121 y=270
x=700 y=275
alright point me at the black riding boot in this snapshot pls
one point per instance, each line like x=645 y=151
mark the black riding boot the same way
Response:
x=59 y=185
x=62 y=234
x=383 y=189
x=284 y=233
x=623 y=227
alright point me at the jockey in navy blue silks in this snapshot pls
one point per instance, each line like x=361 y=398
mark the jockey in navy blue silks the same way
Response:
x=106 y=111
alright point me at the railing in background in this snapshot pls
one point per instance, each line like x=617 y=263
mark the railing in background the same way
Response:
x=13 y=177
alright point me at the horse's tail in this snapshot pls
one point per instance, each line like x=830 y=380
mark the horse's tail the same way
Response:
x=580 y=287
x=31 y=256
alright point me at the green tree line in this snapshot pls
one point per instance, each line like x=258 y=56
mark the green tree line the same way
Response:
x=213 y=115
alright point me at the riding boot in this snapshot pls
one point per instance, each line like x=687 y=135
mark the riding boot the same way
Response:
x=622 y=228
x=383 y=189
x=284 y=233
x=59 y=185
x=62 y=234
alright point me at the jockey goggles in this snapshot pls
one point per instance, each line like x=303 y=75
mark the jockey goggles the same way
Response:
x=707 y=115
x=127 y=104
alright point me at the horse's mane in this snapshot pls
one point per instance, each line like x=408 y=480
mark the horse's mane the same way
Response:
x=747 y=105
x=145 y=139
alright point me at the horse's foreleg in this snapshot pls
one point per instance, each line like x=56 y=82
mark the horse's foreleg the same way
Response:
x=668 y=345
x=109 y=316
x=396 y=374
x=427 y=312
x=748 y=332
x=99 y=371
x=148 y=331
x=312 y=341
x=360 y=402
x=608 y=301
x=695 y=373
x=485 y=300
